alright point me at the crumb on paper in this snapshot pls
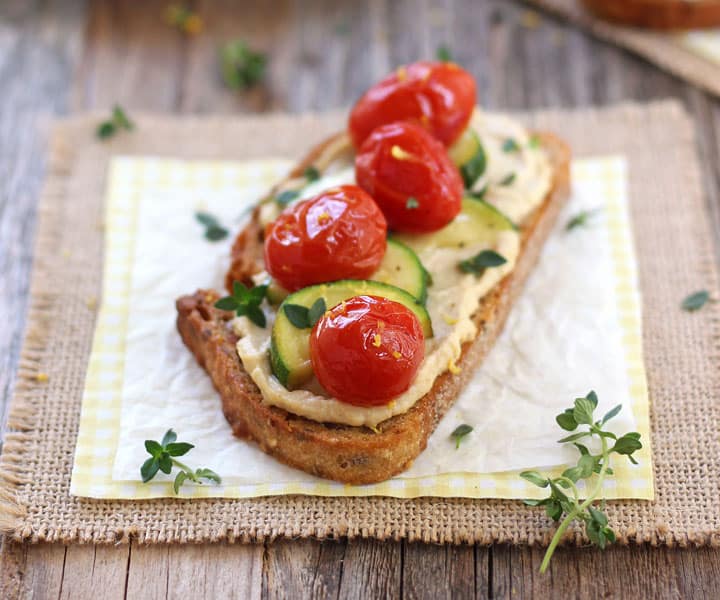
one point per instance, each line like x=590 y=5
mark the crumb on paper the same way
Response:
x=42 y=377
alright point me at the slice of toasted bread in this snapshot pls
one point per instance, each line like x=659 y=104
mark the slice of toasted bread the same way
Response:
x=349 y=454
x=659 y=14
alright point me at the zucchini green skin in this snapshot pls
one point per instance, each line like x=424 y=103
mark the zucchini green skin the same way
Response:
x=469 y=156
x=402 y=268
x=290 y=346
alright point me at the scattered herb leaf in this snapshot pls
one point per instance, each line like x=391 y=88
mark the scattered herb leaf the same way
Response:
x=581 y=414
x=117 y=121
x=460 y=432
x=510 y=145
x=508 y=180
x=245 y=302
x=184 y=19
x=241 y=67
x=481 y=261
x=213 y=230
x=163 y=457
x=303 y=317
x=534 y=142
x=473 y=169
x=311 y=174
x=581 y=219
x=412 y=203
x=443 y=54
x=696 y=300
x=286 y=197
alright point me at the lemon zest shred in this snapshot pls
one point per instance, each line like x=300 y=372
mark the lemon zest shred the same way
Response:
x=42 y=377
x=377 y=340
x=453 y=368
x=397 y=355
x=449 y=320
x=401 y=73
x=399 y=154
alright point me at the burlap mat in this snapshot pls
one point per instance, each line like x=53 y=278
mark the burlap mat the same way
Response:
x=657 y=47
x=676 y=256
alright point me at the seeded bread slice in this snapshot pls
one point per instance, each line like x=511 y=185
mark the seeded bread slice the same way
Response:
x=354 y=455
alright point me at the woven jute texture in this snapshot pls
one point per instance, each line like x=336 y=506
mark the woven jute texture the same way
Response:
x=676 y=256
x=658 y=47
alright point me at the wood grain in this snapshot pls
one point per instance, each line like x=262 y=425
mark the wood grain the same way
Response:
x=322 y=55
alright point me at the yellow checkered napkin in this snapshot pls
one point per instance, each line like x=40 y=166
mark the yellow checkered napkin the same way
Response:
x=137 y=188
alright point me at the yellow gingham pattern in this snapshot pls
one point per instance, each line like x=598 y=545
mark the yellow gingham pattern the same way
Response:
x=101 y=406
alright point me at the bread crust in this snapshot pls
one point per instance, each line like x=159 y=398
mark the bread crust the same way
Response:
x=659 y=14
x=354 y=455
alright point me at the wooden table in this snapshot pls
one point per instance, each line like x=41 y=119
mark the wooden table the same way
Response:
x=64 y=56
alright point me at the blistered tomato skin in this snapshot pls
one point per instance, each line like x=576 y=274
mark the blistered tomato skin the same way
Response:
x=410 y=176
x=440 y=96
x=338 y=234
x=367 y=350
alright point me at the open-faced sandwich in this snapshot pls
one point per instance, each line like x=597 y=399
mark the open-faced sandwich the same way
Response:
x=371 y=282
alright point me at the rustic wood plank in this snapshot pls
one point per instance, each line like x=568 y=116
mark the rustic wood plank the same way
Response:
x=619 y=572
x=202 y=571
x=371 y=569
x=42 y=568
x=431 y=571
x=131 y=57
x=89 y=569
x=303 y=568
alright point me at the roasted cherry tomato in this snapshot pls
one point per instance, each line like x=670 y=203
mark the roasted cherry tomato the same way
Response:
x=367 y=350
x=339 y=234
x=410 y=176
x=438 y=95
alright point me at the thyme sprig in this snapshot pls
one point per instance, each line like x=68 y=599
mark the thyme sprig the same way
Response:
x=595 y=467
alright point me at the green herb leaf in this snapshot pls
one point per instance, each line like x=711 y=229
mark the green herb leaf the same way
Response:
x=105 y=130
x=508 y=180
x=298 y=315
x=459 y=433
x=627 y=444
x=166 y=463
x=481 y=261
x=286 y=197
x=598 y=516
x=583 y=411
x=162 y=459
x=580 y=219
x=696 y=301
x=566 y=420
x=586 y=464
x=245 y=302
x=443 y=54
x=473 y=169
x=149 y=469
x=316 y=311
x=227 y=303
x=535 y=478
x=510 y=145
x=178 y=448
x=573 y=437
x=412 y=203
x=179 y=480
x=553 y=509
x=169 y=437
x=153 y=448
x=213 y=230
x=311 y=174
x=121 y=119
x=216 y=233
x=206 y=219
x=208 y=474
x=534 y=142
x=241 y=67
x=611 y=413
